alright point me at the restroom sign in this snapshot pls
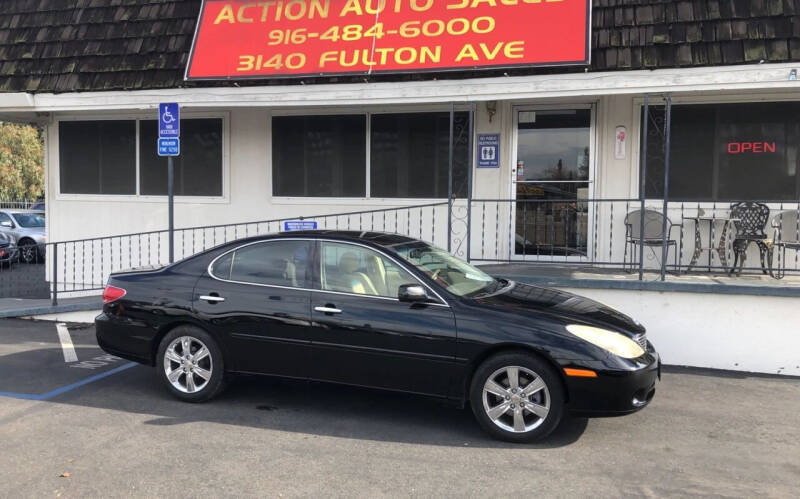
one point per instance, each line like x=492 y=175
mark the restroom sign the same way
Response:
x=488 y=150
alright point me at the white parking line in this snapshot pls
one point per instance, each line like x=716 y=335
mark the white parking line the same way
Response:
x=66 y=343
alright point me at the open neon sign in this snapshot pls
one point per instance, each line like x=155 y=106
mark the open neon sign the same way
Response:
x=751 y=147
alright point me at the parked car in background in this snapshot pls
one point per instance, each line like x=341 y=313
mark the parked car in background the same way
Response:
x=8 y=251
x=27 y=229
x=38 y=206
x=384 y=311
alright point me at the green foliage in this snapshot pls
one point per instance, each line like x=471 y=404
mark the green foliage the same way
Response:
x=21 y=162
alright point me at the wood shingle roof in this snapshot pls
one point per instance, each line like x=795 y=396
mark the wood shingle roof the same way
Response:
x=83 y=45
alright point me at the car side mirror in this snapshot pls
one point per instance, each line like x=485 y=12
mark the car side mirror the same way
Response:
x=6 y=223
x=413 y=293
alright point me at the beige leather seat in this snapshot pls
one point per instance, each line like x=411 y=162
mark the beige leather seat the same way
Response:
x=376 y=272
x=349 y=279
x=290 y=274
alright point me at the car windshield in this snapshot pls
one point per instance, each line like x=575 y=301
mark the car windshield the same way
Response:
x=29 y=220
x=457 y=276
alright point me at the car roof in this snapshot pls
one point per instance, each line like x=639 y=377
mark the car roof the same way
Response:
x=384 y=239
x=14 y=211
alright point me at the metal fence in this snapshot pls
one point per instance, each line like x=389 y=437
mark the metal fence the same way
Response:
x=613 y=234
x=598 y=234
x=17 y=204
x=81 y=266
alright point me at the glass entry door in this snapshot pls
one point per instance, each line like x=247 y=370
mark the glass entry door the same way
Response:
x=551 y=182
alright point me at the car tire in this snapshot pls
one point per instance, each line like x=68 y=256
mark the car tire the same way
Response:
x=194 y=376
x=28 y=251
x=512 y=413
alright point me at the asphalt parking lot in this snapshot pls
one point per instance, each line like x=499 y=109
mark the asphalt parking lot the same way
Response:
x=110 y=426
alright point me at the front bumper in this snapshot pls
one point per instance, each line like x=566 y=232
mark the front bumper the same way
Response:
x=616 y=392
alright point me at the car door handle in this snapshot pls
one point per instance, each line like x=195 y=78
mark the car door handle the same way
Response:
x=212 y=299
x=328 y=310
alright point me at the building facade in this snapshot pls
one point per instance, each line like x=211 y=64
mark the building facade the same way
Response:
x=563 y=170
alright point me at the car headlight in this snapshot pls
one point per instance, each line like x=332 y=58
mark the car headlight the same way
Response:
x=616 y=343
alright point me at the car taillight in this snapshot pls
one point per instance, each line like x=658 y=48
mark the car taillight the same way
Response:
x=112 y=293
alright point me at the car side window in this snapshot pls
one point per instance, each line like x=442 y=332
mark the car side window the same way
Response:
x=277 y=263
x=222 y=267
x=347 y=268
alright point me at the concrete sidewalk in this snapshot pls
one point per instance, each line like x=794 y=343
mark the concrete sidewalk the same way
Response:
x=22 y=307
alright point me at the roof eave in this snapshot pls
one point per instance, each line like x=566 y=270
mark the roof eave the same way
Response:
x=681 y=80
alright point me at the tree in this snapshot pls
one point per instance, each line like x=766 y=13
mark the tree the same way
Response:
x=21 y=162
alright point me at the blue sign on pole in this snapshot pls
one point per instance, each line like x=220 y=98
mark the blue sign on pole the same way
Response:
x=169 y=147
x=299 y=225
x=169 y=120
x=488 y=150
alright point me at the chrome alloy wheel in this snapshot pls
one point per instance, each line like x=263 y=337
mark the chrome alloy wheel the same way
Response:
x=187 y=364
x=516 y=399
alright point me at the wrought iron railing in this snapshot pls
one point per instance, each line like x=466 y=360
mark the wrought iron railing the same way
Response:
x=607 y=234
x=596 y=234
x=82 y=266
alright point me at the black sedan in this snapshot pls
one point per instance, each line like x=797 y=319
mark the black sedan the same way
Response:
x=385 y=311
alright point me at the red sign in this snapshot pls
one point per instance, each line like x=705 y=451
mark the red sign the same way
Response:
x=751 y=147
x=279 y=38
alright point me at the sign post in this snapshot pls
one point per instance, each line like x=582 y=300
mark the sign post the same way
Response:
x=169 y=132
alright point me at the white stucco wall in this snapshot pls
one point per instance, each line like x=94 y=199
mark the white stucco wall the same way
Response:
x=247 y=185
x=735 y=332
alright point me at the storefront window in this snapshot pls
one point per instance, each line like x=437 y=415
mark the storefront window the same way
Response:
x=198 y=169
x=319 y=156
x=409 y=155
x=97 y=157
x=726 y=152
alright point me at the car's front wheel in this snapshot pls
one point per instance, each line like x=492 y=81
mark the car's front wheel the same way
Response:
x=28 y=251
x=517 y=397
x=190 y=364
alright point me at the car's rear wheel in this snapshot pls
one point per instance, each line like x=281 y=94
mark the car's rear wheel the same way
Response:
x=517 y=397
x=190 y=364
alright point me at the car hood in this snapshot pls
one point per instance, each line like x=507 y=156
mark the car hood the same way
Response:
x=32 y=231
x=526 y=298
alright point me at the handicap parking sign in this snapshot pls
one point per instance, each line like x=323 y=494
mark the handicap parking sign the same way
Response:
x=169 y=120
x=488 y=150
x=291 y=225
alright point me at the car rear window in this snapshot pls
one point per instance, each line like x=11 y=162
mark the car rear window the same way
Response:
x=276 y=263
x=222 y=267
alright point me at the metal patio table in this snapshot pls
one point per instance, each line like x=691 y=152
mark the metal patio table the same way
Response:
x=720 y=248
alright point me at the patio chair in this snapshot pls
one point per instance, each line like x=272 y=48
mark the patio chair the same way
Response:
x=786 y=236
x=750 y=220
x=652 y=237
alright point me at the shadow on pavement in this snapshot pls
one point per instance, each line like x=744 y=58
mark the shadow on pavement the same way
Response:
x=311 y=408
x=32 y=362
